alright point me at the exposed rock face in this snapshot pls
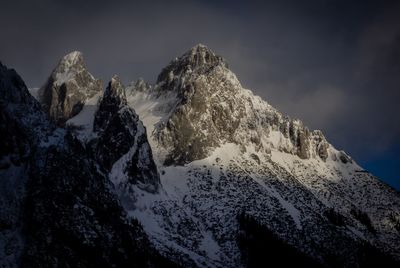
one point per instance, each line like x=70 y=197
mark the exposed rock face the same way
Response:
x=56 y=207
x=210 y=107
x=67 y=88
x=122 y=135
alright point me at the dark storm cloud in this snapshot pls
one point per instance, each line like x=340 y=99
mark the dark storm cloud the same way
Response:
x=334 y=64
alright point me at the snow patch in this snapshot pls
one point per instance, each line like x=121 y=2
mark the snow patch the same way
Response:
x=84 y=120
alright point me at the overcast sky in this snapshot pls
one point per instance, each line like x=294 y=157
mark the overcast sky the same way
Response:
x=333 y=64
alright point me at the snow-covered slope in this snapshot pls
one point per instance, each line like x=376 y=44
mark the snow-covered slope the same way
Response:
x=224 y=152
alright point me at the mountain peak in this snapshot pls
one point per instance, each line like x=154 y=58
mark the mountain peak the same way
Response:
x=212 y=108
x=200 y=56
x=197 y=60
x=200 y=49
x=68 y=87
x=115 y=90
x=72 y=62
x=115 y=81
x=73 y=57
x=200 y=45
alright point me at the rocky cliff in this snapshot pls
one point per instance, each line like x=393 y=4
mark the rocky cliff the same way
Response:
x=67 y=89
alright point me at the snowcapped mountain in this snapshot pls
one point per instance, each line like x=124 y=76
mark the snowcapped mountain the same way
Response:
x=215 y=176
x=223 y=152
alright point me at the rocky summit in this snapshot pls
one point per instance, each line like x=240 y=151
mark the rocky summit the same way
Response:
x=192 y=171
x=67 y=88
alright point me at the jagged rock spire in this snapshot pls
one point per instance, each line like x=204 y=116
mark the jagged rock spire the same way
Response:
x=67 y=88
x=115 y=92
x=120 y=132
x=113 y=99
